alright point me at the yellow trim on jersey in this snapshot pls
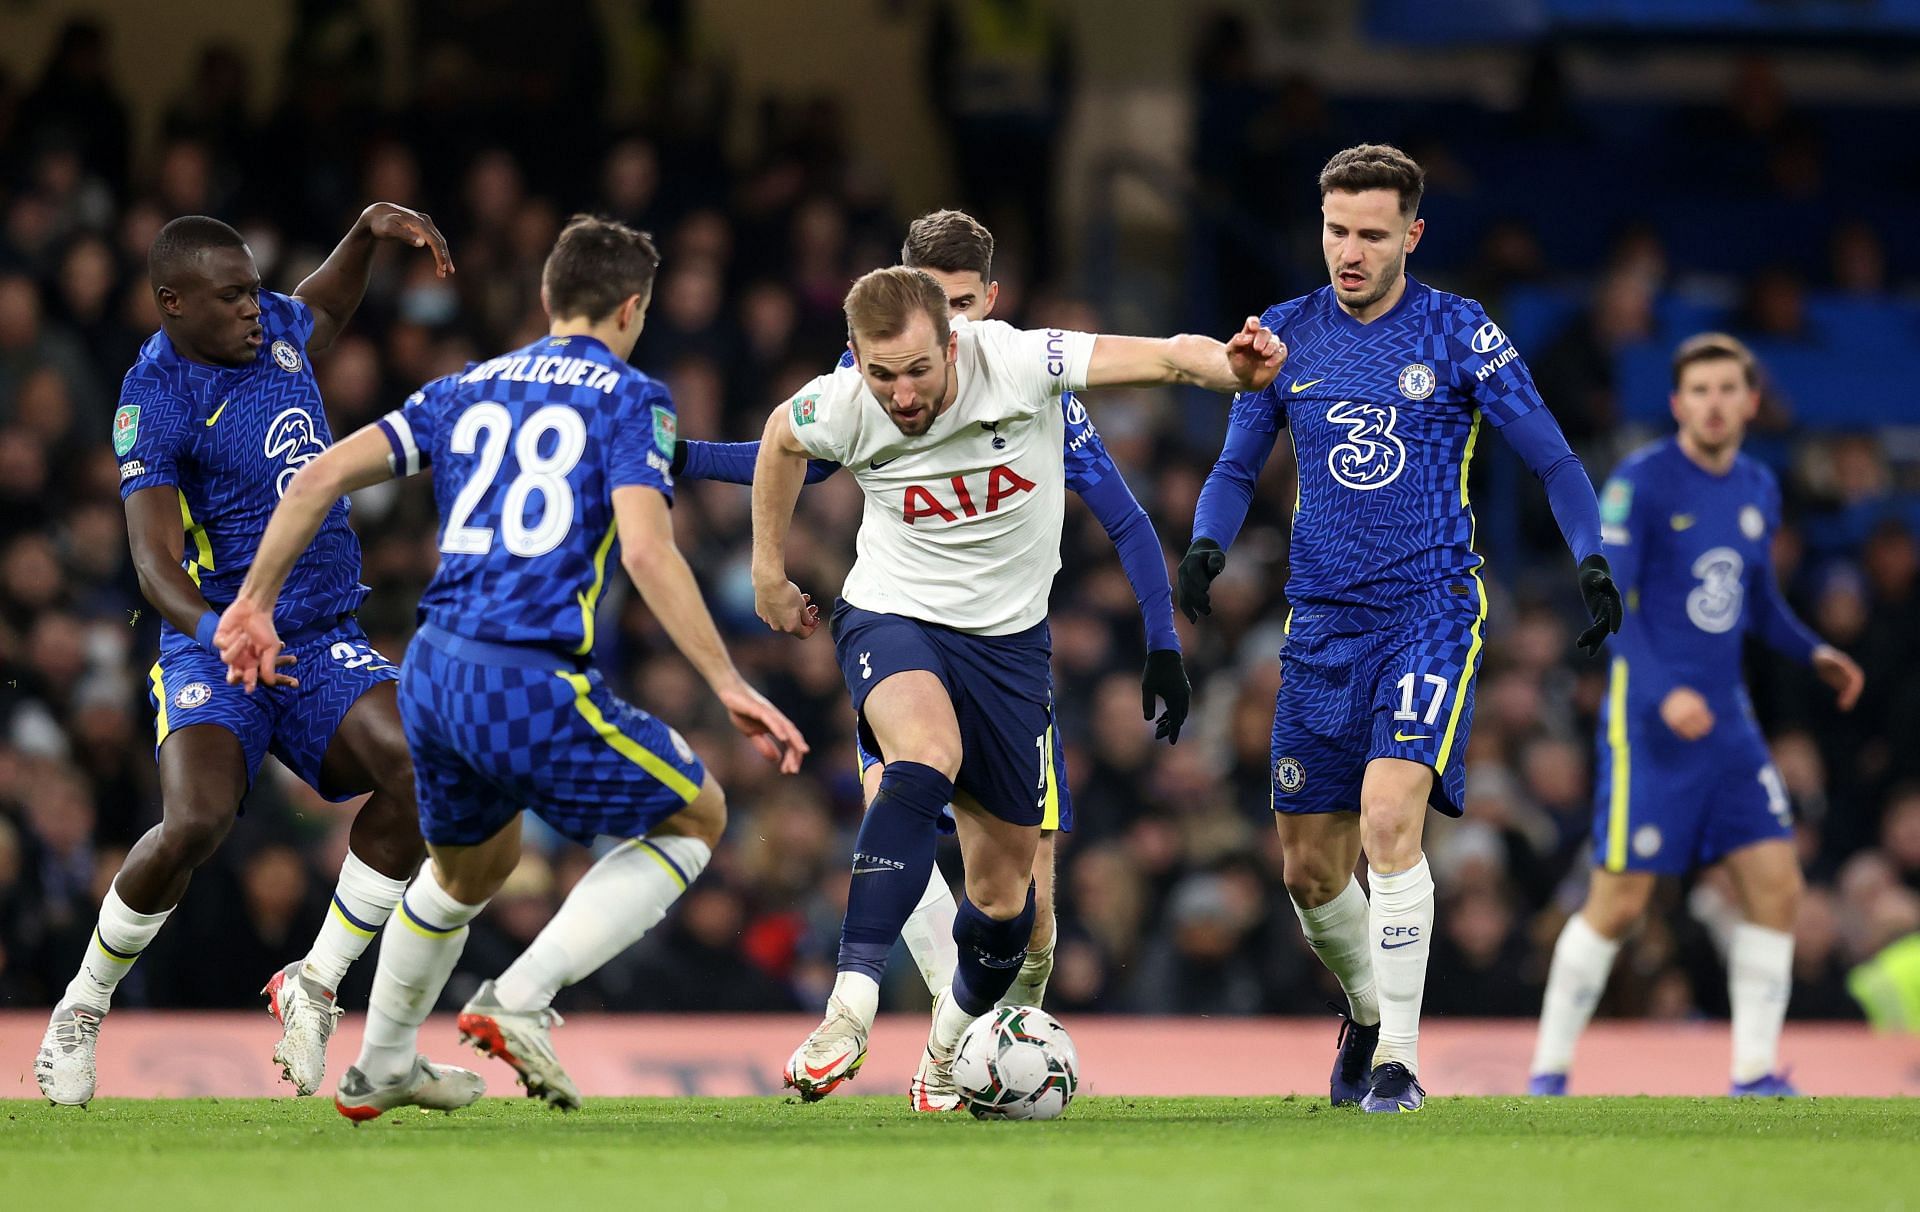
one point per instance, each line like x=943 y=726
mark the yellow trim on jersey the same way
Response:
x=1620 y=756
x=625 y=745
x=1480 y=616
x=1286 y=624
x=202 y=558
x=591 y=598
x=1050 y=818
x=160 y=728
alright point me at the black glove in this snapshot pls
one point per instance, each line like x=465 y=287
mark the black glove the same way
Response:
x=1203 y=562
x=1603 y=603
x=1166 y=679
x=679 y=463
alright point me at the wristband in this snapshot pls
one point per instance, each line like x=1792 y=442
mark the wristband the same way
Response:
x=203 y=631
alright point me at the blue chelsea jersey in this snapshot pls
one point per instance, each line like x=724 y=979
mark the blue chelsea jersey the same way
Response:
x=527 y=449
x=1384 y=417
x=1692 y=552
x=229 y=440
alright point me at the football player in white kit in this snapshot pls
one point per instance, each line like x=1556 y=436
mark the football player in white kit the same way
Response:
x=954 y=433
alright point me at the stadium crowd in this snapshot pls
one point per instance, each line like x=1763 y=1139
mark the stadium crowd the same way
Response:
x=1170 y=894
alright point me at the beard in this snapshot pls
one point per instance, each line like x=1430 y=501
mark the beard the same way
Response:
x=1375 y=290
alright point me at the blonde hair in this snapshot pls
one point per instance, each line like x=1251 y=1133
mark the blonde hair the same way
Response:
x=882 y=304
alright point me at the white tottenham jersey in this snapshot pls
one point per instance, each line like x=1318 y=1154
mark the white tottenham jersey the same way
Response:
x=962 y=523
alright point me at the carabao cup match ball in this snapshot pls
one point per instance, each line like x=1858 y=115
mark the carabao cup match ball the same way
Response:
x=1016 y=1063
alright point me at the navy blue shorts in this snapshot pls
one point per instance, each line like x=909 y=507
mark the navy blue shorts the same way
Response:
x=188 y=686
x=498 y=729
x=1670 y=806
x=1404 y=692
x=1063 y=809
x=1002 y=692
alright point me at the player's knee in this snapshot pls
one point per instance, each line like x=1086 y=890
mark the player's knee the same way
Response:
x=1389 y=833
x=1616 y=902
x=1001 y=900
x=393 y=776
x=704 y=817
x=1779 y=904
x=941 y=753
x=1612 y=920
x=1312 y=885
x=188 y=838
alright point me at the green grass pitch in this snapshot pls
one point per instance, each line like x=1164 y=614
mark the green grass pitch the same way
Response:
x=845 y=1153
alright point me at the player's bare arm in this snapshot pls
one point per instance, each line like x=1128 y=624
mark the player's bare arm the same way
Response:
x=660 y=572
x=778 y=475
x=158 y=541
x=1247 y=361
x=246 y=638
x=335 y=289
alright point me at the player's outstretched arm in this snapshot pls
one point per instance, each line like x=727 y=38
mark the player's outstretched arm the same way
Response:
x=661 y=574
x=1247 y=361
x=246 y=638
x=777 y=476
x=334 y=290
x=731 y=462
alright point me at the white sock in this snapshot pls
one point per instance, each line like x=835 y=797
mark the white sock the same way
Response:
x=362 y=902
x=929 y=934
x=418 y=949
x=1338 y=933
x=117 y=941
x=1759 y=980
x=859 y=994
x=1578 y=976
x=949 y=1023
x=1401 y=914
x=1030 y=987
x=620 y=898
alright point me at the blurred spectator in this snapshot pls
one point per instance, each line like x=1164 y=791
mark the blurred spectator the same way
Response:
x=1169 y=889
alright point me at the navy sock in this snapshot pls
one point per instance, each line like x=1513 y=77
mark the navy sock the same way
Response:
x=892 y=858
x=990 y=954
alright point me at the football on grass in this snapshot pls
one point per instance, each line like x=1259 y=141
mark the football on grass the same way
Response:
x=1016 y=1063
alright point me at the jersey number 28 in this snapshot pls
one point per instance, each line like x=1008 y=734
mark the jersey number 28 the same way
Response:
x=484 y=428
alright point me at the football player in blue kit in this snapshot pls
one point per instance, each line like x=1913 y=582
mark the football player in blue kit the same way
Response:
x=542 y=459
x=215 y=417
x=1386 y=385
x=1684 y=779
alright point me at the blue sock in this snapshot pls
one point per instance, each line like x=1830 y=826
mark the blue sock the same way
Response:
x=990 y=955
x=892 y=858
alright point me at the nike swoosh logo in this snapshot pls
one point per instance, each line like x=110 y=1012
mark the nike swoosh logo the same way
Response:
x=1299 y=387
x=829 y=1067
x=1682 y=521
x=218 y=411
x=877 y=464
x=1396 y=946
x=1401 y=736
